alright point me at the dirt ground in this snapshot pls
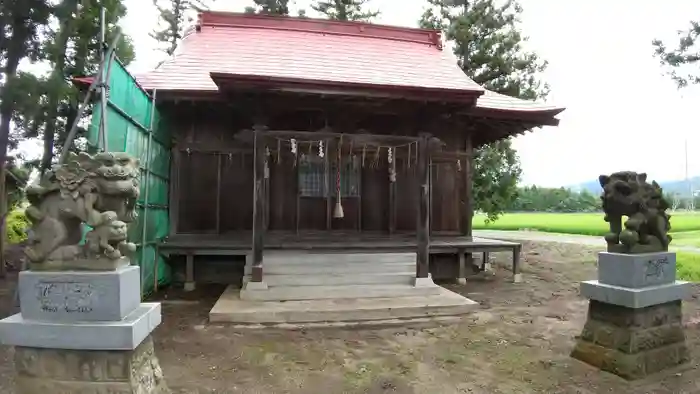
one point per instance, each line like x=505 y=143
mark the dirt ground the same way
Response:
x=518 y=342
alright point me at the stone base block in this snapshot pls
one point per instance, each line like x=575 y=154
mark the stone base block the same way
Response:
x=82 y=372
x=81 y=264
x=637 y=270
x=635 y=298
x=126 y=334
x=632 y=343
x=73 y=296
x=424 y=282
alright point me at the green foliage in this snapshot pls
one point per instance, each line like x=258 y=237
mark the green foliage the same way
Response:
x=489 y=48
x=684 y=58
x=21 y=22
x=541 y=199
x=344 y=10
x=496 y=174
x=16 y=225
x=574 y=223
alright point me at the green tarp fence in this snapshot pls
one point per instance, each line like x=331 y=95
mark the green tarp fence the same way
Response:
x=129 y=112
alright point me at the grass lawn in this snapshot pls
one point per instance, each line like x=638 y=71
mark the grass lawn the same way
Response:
x=688 y=266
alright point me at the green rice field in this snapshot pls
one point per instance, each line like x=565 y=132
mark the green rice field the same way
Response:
x=685 y=228
x=578 y=223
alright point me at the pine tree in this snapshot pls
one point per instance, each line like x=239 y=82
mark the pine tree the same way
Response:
x=684 y=61
x=489 y=47
x=270 y=7
x=344 y=10
x=173 y=15
x=74 y=49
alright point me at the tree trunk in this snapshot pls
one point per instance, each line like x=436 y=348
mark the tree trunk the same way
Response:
x=57 y=79
x=14 y=55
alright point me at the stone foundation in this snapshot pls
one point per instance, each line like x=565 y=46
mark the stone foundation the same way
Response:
x=89 y=371
x=632 y=343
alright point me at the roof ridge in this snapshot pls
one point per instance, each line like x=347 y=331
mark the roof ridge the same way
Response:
x=431 y=37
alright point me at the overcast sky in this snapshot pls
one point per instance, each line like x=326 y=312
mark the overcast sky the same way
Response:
x=622 y=112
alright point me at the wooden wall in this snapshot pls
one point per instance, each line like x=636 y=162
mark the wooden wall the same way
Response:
x=215 y=188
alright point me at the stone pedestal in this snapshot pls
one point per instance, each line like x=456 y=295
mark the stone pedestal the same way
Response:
x=634 y=325
x=84 y=332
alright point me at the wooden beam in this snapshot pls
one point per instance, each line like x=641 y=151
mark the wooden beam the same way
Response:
x=423 y=216
x=467 y=194
x=258 y=207
x=318 y=135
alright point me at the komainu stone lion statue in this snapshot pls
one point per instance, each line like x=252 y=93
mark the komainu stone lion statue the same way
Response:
x=100 y=191
x=646 y=230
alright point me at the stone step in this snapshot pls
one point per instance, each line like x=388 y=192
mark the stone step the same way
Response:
x=337 y=268
x=293 y=293
x=231 y=309
x=301 y=258
x=405 y=278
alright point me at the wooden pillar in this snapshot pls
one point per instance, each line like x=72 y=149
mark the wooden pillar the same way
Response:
x=462 y=270
x=467 y=203
x=174 y=198
x=327 y=181
x=189 y=273
x=258 y=204
x=423 y=212
x=516 y=264
x=218 y=193
x=392 y=195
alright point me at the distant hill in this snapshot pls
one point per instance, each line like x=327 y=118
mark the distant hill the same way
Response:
x=670 y=187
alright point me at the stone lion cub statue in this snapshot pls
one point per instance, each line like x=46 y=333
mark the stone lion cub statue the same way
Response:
x=627 y=193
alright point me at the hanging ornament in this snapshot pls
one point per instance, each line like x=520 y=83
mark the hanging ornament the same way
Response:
x=352 y=155
x=409 y=155
x=320 y=149
x=311 y=146
x=338 y=211
x=267 y=151
x=230 y=156
x=266 y=172
x=364 y=154
x=459 y=165
x=279 y=150
x=375 y=164
x=293 y=142
x=389 y=155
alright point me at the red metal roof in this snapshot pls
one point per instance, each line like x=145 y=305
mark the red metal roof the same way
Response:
x=278 y=49
x=344 y=53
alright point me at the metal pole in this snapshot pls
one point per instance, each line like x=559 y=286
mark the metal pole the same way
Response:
x=104 y=100
x=144 y=221
x=81 y=110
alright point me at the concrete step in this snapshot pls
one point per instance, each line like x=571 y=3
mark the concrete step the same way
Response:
x=293 y=293
x=231 y=309
x=405 y=278
x=336 y=268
